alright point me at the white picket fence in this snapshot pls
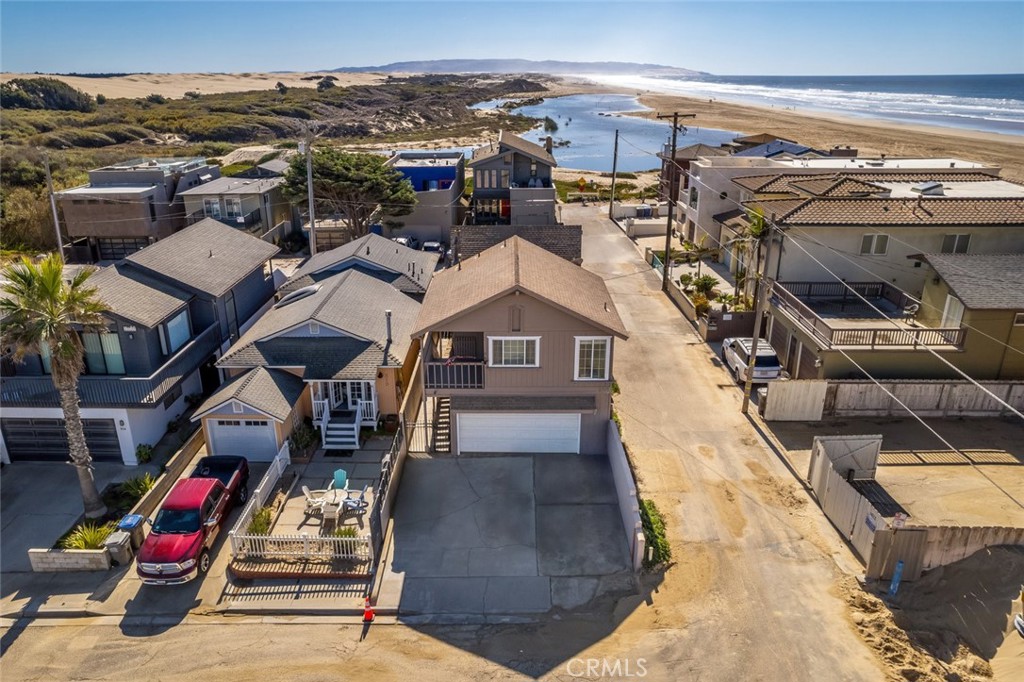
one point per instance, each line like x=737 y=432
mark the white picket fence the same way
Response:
x=294 y=545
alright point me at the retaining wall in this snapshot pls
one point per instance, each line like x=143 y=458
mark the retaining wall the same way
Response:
x=67 y=560
x=625 y=489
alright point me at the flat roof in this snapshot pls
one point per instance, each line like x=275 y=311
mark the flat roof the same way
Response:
x=839 y=162
x=411 y=159
x=234 y=186
x=166 y=164
x=106 y=189
x=985 y=188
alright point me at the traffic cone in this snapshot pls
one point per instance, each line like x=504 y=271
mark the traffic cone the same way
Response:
x=368 y=614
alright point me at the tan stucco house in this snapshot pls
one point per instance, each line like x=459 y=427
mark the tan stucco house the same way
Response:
x=517 y=347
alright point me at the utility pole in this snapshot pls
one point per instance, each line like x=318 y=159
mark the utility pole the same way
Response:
x=762 y=297
x=675 y=116
x=615 y=165
x=53 y=206
x=307 y=147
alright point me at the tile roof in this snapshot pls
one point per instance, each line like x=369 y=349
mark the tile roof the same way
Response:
x=902 y=211
x=518 y=265
x=836 y=186
x=129 y=293
x=565 y=241
x=507 y=142
x=781 y=182
x=271 y=391
x=983 y=281
x=226 y=185
x=414 y=268
x=209 y=256
x=351 y=302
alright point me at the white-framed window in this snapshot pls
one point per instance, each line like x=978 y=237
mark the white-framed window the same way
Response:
x=874 y=244
x=956 y=243
x=233 y=207
x=592 y=358
x=211 y=208
x=175 y=333
x=314 y=327
x=953 y=312
x=236 y=407
x=514 y=351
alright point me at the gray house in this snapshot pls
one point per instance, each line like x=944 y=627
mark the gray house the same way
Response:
x=517 y=352
x=255 y=205
x=512 y=182
x=172 y=308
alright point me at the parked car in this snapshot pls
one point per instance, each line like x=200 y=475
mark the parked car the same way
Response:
x=410 y=241
x=437 y=247
x=177 y=548
x=736 y=356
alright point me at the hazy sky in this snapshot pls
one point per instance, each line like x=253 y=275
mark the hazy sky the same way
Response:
x=722 y=37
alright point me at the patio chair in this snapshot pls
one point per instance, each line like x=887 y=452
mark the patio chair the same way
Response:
x=357 y=504
x=313 y=503
x=340 y=481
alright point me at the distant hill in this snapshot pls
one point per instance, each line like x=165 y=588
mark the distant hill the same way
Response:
x=523 y=66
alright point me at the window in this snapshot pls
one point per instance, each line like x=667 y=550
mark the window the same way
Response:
x=874 y=244
x=255 y=422
x=1018 y=320
x=211 y=208
x=956 y=243
x=515 y=318
x=314 y=327
x=236 y=406
x=953 y=313
x=592 y=358
x=175 y=333
x=504 y=179
x=233 y=207
x=228 y=422
x=693 y=197
x=103 y=353
x=518 y=351
x=533 y=168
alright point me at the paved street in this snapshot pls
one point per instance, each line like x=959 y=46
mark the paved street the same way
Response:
x=752 y=593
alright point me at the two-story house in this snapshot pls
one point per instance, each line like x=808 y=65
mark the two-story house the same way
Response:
x=512 y=182
x=256 y=205
x=439 y=179
x=127 y=206
x=517 y=352
x=337 y=351
x=171 y=308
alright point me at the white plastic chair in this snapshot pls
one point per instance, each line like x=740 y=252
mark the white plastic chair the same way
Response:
x=313 y=503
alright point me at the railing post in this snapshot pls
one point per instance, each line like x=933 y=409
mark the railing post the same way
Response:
x=305 y=545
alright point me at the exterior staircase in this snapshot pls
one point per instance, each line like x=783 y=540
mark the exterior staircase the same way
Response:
x=341 y=435
x=442 y=432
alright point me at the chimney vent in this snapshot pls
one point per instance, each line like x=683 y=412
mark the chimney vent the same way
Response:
x=387 y=317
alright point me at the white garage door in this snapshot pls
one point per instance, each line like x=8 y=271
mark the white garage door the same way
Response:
x=519 y=432
x=252 y=438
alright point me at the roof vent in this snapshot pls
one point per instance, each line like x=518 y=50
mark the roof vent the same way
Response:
x=297 y=295
x=931 y=188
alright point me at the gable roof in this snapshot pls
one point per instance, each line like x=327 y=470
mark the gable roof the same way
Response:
x=351 y=302
x=695 y=151
x=129 y=293
x=781 y=182
x=507 y=142
x=759 y=138
x=518 y=265
x=983 y=281
x=413 y=269
x=899 y=211
x=270 y=391
x=210 y=257
x=776 y=147
x=234 y=185
x=842 y=186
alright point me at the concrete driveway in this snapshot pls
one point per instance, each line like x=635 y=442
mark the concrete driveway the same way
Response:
x=507 y=534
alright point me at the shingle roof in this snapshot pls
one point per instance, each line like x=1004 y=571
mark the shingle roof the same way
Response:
x=508 y=141
x=695 y=151
x=229 y=185
x=209 y=256
x=129 y=293
x=759 y=138
x=351 y=302
x=777 y=147
x=983 y=281
x=905 y=211
x=271 y=391
x=565 y=241
x=279 y=166
x=518 y=265
x=414 y=268
x=322 y=359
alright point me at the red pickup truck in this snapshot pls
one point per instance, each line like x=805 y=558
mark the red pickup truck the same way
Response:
x=177 y=548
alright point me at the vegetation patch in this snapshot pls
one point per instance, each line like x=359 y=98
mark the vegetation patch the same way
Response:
x=87 y=535
x=261 y=521
x=658 y=552
x=43 y=93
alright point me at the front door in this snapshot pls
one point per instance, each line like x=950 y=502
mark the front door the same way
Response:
x=337 y=391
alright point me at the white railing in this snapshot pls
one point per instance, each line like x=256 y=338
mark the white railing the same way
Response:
x=366 y=412
x=320 y=408
x=258 y=497
x=306 y=546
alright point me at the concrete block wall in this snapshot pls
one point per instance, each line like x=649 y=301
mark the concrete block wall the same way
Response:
x=68 y=560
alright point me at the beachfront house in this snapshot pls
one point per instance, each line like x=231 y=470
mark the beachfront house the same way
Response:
x=255 y=205
x=127 y=206
x=173 y=307
x=512 y=182
x=439 y=179
x=517 y=352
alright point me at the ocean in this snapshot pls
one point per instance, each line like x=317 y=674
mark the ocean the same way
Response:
x=990 y=103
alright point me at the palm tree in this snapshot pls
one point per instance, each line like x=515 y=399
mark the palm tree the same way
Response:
x=43 y=310
x=699 y=251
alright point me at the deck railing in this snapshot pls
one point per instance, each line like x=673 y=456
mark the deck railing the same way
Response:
x=455 y=374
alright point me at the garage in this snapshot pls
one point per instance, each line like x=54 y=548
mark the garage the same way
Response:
x=255 y=439
x=526 y=432
x=45 y=440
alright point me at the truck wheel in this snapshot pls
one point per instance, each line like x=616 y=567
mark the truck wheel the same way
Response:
x=204 y=561
x=243 y=494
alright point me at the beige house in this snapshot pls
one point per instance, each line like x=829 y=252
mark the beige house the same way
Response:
x=256 y=205
x=517 y=350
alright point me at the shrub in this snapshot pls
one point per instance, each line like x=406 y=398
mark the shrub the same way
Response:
x=325 y=85
x=261 y=520
x=346 y=532
x=138 y=486
x=156 y=99
x=43 y=93
x=192 y=94
x=654 y=530
x=704 y=284
x=87 y=535
x=617 y=420
x=101 y=99
x=615 y=387
x=269 y=156
x=686 y=281
x=702 y=305
x=144 y=453
x=303 y=437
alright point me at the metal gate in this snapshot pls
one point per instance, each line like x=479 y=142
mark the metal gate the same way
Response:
x=46 y=440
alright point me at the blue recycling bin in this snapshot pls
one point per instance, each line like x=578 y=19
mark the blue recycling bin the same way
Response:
x=133 y=525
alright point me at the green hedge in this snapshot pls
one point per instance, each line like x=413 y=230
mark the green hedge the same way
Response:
x=654 y=531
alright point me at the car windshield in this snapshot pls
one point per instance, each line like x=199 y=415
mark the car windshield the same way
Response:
x=177 y=521
x=766 y=360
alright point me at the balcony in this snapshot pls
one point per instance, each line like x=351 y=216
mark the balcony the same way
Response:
x=250 y=222
x=837 y=318
x=455 y=374
x=114 y=391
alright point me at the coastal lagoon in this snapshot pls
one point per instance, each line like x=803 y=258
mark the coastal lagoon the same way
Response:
x=588 y=124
